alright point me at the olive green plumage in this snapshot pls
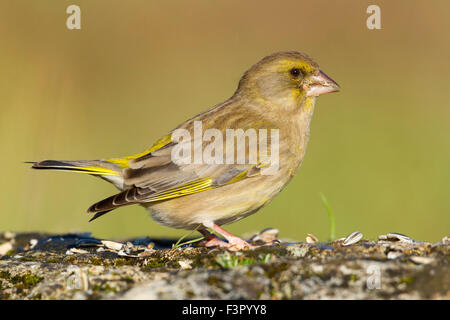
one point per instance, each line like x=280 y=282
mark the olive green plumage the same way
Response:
x=278 y=92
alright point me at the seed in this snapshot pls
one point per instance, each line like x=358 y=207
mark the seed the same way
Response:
x=310 y=238
x=75 y=250
x=394 y=236
x=352 y=238
x=267 y=235
x=112 y=245
x=33 y=243
x=124 y=254
x=5 y=247
x=88 y=243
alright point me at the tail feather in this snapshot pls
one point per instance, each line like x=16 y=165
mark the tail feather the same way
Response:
x=96 y=167
x=103 y=169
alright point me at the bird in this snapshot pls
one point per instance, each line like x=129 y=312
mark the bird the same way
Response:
x=276 y=98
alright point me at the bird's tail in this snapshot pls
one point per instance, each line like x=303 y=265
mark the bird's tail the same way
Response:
x=95 y=167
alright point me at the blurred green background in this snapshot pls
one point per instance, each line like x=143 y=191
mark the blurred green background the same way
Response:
x=379 y=150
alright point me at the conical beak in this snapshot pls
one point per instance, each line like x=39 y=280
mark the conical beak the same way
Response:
x=319 y=84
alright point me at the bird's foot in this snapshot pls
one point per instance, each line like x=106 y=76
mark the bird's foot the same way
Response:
x=233 y=243
x=212 y=241
x=236 y=244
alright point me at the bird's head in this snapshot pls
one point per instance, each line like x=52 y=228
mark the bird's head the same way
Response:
x=285 y=78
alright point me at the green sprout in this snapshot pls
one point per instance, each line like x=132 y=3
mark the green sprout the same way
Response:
x=330 y=216
x=178 y=244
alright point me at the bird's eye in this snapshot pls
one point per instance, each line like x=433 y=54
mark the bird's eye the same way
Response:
x=295 y=72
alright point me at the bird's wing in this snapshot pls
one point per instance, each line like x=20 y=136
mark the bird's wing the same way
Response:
x=161 y=179
x=153 y=176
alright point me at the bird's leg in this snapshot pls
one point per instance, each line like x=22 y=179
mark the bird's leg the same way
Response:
x=234 y=243
x=211 y=240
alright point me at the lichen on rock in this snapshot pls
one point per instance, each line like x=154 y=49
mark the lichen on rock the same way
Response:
x=78 y=266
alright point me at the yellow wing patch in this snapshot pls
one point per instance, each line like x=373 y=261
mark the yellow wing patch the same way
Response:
x=238 y=177
x=124 y=162
x=195 y=186
x=182 y=190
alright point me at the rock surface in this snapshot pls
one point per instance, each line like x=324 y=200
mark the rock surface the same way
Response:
x=78 y=266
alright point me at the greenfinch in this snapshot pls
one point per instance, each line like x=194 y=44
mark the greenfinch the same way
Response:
x=192 y=179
